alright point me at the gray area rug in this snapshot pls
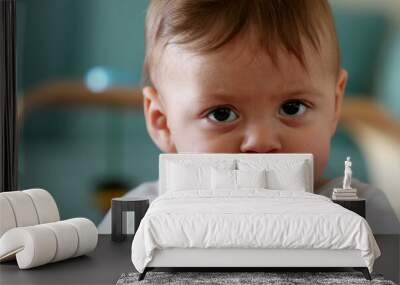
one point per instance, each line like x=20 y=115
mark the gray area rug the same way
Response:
x=230 y=278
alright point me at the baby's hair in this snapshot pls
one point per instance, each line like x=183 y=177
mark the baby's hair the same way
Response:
x=203 y=26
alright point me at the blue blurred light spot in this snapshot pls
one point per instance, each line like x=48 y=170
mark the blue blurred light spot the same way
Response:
x=97 y=79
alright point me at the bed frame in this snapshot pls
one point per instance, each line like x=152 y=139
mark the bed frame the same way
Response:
x=234 y=259
x=250 y=259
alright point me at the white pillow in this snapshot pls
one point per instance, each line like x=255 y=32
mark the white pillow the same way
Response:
x=181 y=178
x=225 y=179
x=288 y=179
x=186 y=175
x=281 y=175
x=251 y=178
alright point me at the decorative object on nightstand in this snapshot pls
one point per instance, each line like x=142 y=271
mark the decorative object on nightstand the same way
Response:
x=126 y=214
x=356 y=205
x=345 y=193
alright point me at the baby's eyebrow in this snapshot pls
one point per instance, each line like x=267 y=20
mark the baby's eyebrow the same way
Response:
x=308 y=91
x=232 y=97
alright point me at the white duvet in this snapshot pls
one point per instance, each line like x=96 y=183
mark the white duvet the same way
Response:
x=250 y=219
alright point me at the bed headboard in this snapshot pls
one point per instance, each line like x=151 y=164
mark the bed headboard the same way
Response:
x=215 y=157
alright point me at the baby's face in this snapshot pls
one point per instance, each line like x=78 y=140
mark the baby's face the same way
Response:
x=238 y=101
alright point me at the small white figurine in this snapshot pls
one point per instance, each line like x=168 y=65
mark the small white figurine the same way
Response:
x=347 y=174
x=347 y=192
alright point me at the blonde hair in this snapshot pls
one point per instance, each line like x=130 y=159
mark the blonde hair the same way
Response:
x=204 y=26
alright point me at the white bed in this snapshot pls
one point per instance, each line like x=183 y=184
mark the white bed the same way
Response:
x=201 y=220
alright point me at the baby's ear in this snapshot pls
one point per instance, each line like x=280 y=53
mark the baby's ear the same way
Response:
x=156 y=120
x=339 y=94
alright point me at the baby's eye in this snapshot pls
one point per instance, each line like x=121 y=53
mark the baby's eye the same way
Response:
x=222 y=114
x=292 y=108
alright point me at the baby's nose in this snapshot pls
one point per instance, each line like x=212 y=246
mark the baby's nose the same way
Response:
x=261 y=140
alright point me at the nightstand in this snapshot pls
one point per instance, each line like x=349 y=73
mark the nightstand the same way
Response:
x=121 y=210
x=357 y=206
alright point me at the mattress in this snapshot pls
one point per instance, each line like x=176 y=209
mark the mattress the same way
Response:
x=250 y=219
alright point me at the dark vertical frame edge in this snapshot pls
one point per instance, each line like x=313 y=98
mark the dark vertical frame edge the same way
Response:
x=8 y=98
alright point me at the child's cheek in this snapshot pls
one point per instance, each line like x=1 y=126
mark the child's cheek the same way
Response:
x=200 y=143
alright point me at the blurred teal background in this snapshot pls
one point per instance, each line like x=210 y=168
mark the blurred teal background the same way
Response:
x=70 y=151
